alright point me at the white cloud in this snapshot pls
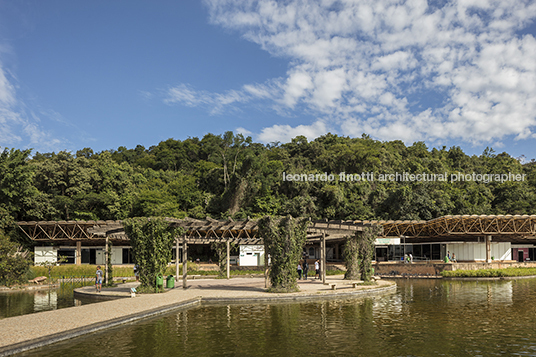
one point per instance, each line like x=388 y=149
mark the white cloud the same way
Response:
x=17 y=126
x=284 y=133
x=243 y=131
x=410 y=70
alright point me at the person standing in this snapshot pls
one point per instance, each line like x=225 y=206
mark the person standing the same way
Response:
x=299 y=271
x=98 y=279
x=137 y=272
x=317 y=269
x=305 y=269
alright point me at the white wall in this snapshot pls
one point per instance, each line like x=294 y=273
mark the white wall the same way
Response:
x=43 y=254
x=100 y=257
x=251 y=255
x=477 y=251
x=117 y=255
x=501 y=251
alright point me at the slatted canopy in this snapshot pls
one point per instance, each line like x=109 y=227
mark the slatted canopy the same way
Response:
x=507 y=228
x=197 y=231
x=511 y=228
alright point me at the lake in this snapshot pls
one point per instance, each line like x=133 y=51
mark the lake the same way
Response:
x=22 y=302
x=423 y=318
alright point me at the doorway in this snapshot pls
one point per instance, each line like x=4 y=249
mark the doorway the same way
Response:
x=520 y=256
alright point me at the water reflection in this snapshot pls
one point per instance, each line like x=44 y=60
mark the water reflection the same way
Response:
x=31 y=301
x=423 y=318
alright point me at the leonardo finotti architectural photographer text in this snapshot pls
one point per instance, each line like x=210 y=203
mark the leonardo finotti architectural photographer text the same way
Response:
x=406 y=177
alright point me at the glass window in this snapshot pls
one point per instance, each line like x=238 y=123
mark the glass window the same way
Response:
x=68 y=255
x=436 y=251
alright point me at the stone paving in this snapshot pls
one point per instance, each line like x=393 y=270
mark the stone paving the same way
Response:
x=24 y=332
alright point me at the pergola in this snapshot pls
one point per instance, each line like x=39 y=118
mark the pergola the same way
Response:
x=509 y=228
x=196 y=232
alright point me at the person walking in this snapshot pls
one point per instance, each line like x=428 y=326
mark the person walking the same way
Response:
x=317 y=269
x=305 y=269
x=299 y=271
x=98 y=279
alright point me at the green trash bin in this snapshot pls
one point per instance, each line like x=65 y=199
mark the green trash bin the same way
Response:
x=170 y=282
x=159 y=281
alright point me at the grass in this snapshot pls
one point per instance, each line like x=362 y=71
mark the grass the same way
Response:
x=372 y=282
x=86 y=270
x=490 y=273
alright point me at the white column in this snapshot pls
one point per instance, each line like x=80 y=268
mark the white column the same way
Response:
x=228 y=263
x=488 y=249
x=177 y=259
x=78 y=252
x=184 y=263
x=106 y=261
x=323 y=264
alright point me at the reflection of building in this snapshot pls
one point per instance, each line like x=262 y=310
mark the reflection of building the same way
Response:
x=44 y=301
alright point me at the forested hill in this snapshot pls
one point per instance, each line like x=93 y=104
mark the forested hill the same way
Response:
x=229 y=175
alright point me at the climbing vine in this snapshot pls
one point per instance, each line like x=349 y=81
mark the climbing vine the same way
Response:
x=221 y=252
x=350 y=256
x=152 y=242
x=366 y=251
x=284 y=239
x=110 y=280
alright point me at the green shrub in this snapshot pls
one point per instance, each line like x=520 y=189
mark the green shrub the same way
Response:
x=490 y=273
x=14 y=263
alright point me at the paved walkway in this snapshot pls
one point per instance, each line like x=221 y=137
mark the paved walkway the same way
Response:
x=24 y=332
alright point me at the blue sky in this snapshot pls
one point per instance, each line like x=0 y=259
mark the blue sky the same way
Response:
x=104 y=74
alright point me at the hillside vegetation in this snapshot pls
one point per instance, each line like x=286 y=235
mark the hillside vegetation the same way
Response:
x=231 y=176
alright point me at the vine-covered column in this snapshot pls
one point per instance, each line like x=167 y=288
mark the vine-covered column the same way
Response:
x=366 y=251
x=351 y=257
x=284 y=239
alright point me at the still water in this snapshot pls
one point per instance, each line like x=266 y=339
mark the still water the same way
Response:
x=423 y=318
x=31 y=301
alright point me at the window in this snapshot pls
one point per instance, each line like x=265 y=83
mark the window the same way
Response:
x=68 y=255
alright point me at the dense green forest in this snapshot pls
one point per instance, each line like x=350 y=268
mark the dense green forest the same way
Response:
x=231 y=176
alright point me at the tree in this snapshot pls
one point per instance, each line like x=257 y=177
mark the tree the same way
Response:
x=14 y=262
x=284 y=239
x=16 y=189
x=152 y=242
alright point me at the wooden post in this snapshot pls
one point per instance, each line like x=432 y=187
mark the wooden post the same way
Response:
x=176 y=259
x=323 y=265
x=78 y=252
x=184 y=263
x=488 y=249
x=106 y=261
x=228 y=263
